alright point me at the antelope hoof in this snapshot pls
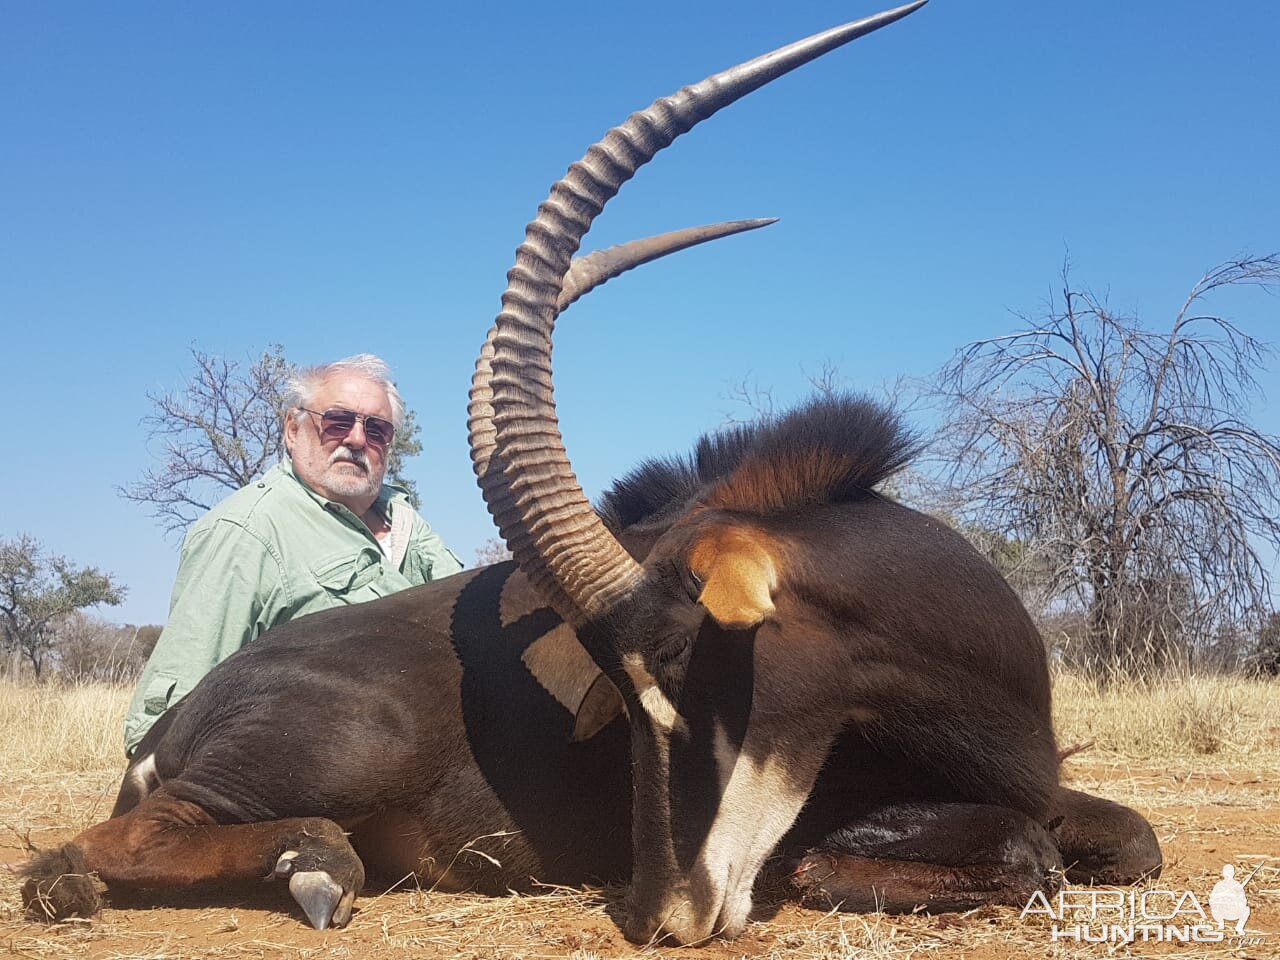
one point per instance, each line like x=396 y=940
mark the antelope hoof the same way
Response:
x=324 y=878
x=321 y=898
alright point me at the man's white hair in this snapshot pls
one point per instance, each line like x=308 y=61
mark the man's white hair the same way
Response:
x=302 y=386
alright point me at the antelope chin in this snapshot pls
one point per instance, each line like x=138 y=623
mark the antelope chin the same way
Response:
x=684 y=918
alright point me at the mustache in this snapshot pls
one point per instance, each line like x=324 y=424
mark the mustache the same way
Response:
x=342 y=452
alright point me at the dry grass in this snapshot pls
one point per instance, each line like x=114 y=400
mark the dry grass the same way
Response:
x=61 y=753
x=1199 y=756
x=61 y=730
x=1235 y=719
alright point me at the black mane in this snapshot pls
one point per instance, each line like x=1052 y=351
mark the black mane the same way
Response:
x=831 y=449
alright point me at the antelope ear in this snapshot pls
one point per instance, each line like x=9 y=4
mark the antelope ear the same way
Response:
x=738 y=568
x=601 y=704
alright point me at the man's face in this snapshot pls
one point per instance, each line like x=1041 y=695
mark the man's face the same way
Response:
x=346 y=469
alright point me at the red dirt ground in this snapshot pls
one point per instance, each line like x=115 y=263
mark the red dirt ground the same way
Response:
x=1204 y=818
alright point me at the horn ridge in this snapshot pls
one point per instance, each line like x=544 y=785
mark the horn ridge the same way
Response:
x=522 y=394
x=585 y=274
x=591 y=569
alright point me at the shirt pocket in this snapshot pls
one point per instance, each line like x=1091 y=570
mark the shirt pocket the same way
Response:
x=159 y=694
x=345 y=576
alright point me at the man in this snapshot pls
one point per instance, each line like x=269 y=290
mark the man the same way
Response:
x=318 y=530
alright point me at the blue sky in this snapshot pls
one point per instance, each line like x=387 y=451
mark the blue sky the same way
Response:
x=340 y=178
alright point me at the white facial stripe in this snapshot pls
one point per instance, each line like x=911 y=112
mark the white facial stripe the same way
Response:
x=726 y=756
x=758 y=805
x=659 y=708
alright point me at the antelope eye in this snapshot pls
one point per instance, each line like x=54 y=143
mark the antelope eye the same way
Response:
x=692 y=585
x=671 y=649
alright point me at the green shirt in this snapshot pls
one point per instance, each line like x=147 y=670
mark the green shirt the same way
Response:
x=270 y=552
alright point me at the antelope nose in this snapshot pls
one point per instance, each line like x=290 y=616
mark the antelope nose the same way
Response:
x=672 y=924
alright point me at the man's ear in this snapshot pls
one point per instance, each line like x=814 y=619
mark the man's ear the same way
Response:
x=290 y=430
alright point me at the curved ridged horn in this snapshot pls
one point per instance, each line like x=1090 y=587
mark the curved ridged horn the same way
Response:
x=600 y=266
x=541 y=511
x=585 y=274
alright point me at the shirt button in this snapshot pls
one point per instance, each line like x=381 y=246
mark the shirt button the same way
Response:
x=261 y=484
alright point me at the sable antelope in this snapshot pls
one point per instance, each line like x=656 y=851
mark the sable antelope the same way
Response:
x=746 y=652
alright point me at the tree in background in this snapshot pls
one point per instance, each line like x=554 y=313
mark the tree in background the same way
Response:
x=405 y=445
x=1021 y=565
x=1265 y=657
x=87 y=649
x=492 y=550
x=37 y=590
x=1125 y=460
x=221 y=431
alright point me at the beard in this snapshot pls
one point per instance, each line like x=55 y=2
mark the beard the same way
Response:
x=347 y=482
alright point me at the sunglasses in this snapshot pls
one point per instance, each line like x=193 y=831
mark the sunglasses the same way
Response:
x=335 y=424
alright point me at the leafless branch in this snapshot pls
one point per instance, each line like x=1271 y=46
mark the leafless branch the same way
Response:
x=218 y=433
x=1123 y=462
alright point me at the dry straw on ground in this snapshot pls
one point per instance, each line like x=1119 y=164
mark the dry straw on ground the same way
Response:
x=1180 y=716
x=1200 y=756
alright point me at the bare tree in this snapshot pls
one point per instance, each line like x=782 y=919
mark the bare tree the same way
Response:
x=87 y=648
x=754 y=403
x=221 y=431
x=1125 y=460
x=492 y=550
x=1265 y=656
x=37 y=590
